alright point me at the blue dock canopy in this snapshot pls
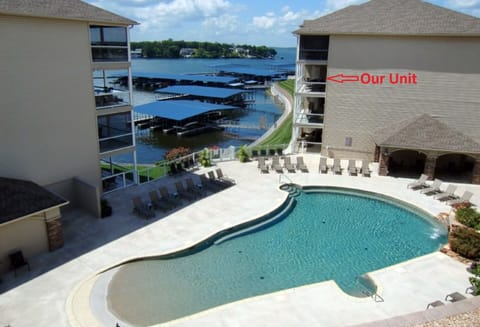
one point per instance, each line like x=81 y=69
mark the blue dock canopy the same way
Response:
x=185 y=77
x=201 y=91
x=179 y=109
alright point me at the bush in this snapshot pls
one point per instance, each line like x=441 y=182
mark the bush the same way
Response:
x=465 y=242
x=469 y=217
x=242 y=154
x=205 y=158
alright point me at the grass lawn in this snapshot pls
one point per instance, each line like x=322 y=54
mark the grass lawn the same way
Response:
x=283 y=133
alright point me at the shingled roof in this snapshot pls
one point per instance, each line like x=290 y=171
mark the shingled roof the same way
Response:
x=393 y=17
x=426 y=133
x=62 y=9
x=19 y=198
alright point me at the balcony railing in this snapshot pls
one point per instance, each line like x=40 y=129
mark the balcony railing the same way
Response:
x=109 y=54
x=115 y=142
x=305 y=118
x=313 y=54
x=313 y=87
x=110 y=99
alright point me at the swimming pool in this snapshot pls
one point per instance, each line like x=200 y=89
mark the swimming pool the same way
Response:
x=327 y=234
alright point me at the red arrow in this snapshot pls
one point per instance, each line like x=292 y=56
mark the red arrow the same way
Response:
x=340 y=78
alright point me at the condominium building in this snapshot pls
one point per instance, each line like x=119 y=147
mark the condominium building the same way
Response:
x=63 y=108
x=395 y=82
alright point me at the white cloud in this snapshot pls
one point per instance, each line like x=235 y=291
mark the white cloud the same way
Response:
x=333 y=5
x=463 y=3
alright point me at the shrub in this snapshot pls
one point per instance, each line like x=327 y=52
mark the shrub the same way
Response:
x=465 y=242
x=205 y=158
x=469 y=217
x=242 y=154
x=475 y=281
x=177 y=153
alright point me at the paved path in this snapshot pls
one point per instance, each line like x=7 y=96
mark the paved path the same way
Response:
x=43 y=297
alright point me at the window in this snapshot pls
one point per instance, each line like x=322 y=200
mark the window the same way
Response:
x=111 y=88
x=114 y=132
x=109 y=43
x=348 y=141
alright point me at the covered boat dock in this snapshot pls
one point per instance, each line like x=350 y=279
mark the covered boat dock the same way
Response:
x=152 y=81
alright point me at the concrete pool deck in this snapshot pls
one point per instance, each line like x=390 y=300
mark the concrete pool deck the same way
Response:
x=49 y=294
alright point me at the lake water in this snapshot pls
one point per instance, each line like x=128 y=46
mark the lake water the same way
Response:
x=151 y=146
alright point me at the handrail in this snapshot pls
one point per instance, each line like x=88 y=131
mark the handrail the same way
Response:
x=280 y=178
x=375 y=296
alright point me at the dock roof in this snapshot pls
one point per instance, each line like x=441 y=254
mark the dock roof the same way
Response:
x=185 y=77
x=20 y=198
x=179 y=109
x=251 y=71
x=393 y=17
x=62 y=9
x=201 y=91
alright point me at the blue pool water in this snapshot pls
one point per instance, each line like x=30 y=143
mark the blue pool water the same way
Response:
x=328 y=235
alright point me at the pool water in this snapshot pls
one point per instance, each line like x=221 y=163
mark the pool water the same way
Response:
x=329 y=235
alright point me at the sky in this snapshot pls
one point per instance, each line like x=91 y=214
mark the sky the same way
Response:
x=252 y=22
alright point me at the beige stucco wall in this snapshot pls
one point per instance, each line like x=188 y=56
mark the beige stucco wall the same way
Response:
x=448 y=87
x=48 y=129
x=28 y=235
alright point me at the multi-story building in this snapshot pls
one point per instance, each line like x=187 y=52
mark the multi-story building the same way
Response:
x=61 y=111
x=392 y=81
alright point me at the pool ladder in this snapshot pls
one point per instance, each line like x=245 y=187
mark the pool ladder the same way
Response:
x=375 y=296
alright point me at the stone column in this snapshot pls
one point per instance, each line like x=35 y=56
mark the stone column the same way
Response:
x=430 y=164
x=54 y=233
x=383 y=166
x=476 y=172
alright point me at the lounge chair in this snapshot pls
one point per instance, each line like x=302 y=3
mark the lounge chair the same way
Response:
x=287 y=163
x=419 y=183
x=454 y=297
x=191 y=187
x=158 y=203
x=365 y=169
x=276 y=164
x=209 y=184
x=142 y=209
x=301 y=165
x=435 y=304
x=262 y=165
x=467 y=195
x=322 y=167
x=218 y=182
x=167 y=197
x=337 y=168
x=352 y=168
x=18 y=261
x=433 y=189
x=182 y=193
x=448 y=194
x=223 y=177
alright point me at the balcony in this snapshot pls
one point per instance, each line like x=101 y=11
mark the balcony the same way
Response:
x=312 y=89
x=115 y=143
x=114 y=132
x=111 y=99
x=109 y=43
x=313 y=54
x=309 y=119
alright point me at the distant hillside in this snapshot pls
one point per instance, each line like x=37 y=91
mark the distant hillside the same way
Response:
x=170 y=49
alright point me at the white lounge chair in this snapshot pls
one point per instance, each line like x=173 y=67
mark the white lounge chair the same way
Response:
x=433 y=189
x=301 y=165
x=365 y=169
x=448 y=194
x=352 y=169
x=467 y=195
x=419 y=183
x=337 y=168
x=322 y=167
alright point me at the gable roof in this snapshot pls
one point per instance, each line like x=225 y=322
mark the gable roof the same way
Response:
x=19 y=198
x=427 y=133
x=393 y=17
x=62 y=9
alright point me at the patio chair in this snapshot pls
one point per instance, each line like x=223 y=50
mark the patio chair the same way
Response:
x=448 y=194
x=322 y=167
x=352 y=168
x=419 y=183
x=467 y=195
x=167 y=197
x=262 y=165
x=210 y=185
x=287 y=163
x=276 y=165
x=365 y=169
x=158 y=203
x=142 y=209
x=301 y=165
x=435 y=304
x=337 y=168
x=454 y=297
x=18 y=261
x=433 y=189
x=182 y=193
x=223 y=177
x=193 y=188
x=218 y=182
